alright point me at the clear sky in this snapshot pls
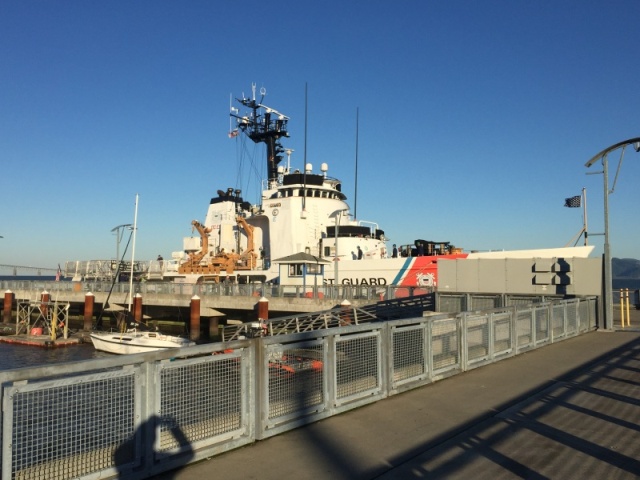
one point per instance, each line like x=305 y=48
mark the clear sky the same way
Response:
x=475 y=118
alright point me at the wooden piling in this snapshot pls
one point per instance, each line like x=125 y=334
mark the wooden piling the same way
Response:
x=45 y=298
x=194 y=319
x=345 y=313
x=263 y=309
x=8 y=305
x=137 y=308
x=89 y=300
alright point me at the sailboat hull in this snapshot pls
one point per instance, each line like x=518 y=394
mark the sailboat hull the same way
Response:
x=136 y=342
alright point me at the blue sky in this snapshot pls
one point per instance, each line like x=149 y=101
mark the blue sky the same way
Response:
x=475 y=118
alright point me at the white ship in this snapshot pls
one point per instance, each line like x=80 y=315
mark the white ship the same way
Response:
x=303 y=212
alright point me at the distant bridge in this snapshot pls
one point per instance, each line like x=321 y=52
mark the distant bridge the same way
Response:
x=26 y=270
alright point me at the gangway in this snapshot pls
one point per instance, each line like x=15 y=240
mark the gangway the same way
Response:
x=336 y=317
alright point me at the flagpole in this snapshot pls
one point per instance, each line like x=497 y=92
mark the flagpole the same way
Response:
x=584 y=206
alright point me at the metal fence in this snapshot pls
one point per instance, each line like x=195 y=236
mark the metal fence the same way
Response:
x=330 y=292
x=134 y=416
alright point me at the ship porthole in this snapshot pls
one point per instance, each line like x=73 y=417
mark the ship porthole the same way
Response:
x=274 y=212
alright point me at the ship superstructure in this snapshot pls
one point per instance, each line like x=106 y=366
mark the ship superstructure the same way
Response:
x=299 y=211
x=302 y=211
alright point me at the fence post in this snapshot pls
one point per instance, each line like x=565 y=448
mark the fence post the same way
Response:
x=463 y=345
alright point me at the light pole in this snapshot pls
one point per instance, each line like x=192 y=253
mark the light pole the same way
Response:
x=608 y=277
x=337 y=215
x=119 y=233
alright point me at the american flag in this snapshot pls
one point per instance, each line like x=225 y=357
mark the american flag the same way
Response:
x=572 y=202
x=58 y=273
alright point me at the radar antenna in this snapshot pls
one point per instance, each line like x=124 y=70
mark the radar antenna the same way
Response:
x=264 y=125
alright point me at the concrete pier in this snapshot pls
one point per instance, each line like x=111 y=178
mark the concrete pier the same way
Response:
x=567 y=410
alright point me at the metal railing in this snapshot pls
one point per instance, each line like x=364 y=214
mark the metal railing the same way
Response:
x=329 y=292
x=134 y=416
x=446 y=302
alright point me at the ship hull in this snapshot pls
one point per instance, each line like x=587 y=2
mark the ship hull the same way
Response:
x=420 y=271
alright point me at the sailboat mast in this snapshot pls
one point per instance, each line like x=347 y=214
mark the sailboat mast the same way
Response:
x=584 y=216
x=133 y=253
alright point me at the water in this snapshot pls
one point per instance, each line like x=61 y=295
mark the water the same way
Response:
x=42 y=278
x=18 y=356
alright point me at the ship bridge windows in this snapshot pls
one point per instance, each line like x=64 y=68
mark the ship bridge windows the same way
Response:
x=349 y=231
x=309 y=192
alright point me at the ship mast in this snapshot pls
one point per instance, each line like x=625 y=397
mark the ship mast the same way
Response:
x=264 y=125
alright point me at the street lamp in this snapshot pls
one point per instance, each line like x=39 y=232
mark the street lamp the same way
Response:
x=119 y=234
x=337 y=215
x=608 y=277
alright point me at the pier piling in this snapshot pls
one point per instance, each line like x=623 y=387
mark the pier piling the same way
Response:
x=263 y=309
x=137 y=308
x=89 y=300
x=345 y=312
x=194 y=319
x=45 y=298
x=8 y=304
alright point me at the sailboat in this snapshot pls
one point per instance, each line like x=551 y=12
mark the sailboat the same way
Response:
x=134 y=337
x=135 y=340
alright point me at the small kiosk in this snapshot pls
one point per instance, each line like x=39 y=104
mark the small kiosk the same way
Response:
x=302 y=269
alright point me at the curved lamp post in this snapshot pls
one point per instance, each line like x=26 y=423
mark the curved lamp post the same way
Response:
x=119 y=230
x=337 y=216
x=608 y=277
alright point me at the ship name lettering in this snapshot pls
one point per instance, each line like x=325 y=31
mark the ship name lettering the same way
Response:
x=364 y=281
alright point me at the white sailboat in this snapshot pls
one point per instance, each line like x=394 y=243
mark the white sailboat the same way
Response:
x=134 y=339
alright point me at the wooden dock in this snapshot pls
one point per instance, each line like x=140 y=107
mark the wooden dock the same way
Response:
x=43 y=341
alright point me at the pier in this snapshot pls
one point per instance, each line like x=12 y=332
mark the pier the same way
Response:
x=269 y=393
x=91 y=305
x=45 y=312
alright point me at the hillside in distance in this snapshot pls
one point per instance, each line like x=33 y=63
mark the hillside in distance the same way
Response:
x=625 y=268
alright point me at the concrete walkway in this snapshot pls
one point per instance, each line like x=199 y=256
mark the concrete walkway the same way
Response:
x=568 y=410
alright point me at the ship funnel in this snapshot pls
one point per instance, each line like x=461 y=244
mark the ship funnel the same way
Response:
x=308 y=167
